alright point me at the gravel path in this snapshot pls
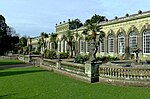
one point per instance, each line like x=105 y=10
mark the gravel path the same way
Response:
x=13 y=66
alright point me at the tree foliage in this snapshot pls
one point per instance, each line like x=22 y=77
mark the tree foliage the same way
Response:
x=41 y=42
x=7 y=40
x=93 y=31
x=74 y=24
x=53 y=41
x=69 y=38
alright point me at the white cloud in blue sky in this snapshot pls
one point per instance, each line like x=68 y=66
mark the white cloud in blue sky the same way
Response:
x=31 y=17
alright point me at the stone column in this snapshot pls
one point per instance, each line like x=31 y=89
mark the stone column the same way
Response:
x=115 y=45
x=58 y=46
x=84 y=46
x=106 y=45
x=62 y=46
x=139 y=45
x=65 y=46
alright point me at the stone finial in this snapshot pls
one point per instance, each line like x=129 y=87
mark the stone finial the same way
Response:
x=106 y=20
x=116 y=17
x=127 y=14
x=68 y=20
x=139 y=12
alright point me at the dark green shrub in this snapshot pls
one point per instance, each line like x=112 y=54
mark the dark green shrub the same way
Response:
x=86 y=58
x=77 y=58
x=81 y=59
x=63 y=55
x=50 y=54
x=107 y=58
x=36 y=52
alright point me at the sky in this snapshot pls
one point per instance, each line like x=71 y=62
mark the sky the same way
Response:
x=31 y=17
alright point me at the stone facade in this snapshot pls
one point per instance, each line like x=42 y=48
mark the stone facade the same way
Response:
x=120 y=34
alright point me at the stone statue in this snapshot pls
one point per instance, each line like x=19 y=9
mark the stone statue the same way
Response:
x=137 y=51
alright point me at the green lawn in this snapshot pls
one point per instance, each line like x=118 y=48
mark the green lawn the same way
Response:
x=37 y=83
x=10 y=62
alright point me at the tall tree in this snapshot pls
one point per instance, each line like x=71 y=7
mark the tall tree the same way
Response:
x=69 y=38
x=53 y=41
x=41 y=42
x=94 y=33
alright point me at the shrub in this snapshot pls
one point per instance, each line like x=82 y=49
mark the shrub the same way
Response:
x=81 y=58
x=36 y=52
x=50 y=54
x=63 y=55
x=77 y=58
x=107 y=58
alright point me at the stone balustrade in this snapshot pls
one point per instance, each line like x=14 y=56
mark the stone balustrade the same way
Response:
x=128 y=73
x=73 y=67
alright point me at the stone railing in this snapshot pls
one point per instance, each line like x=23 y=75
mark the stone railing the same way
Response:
x=24 y=58
x=88 y=71
x=9 y=57
x=65 y=66
x=49 y=63
x=126 y=73
x=73 y=67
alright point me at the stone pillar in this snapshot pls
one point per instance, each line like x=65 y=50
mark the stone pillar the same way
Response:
x=115 y=45
x=58 y=46
x=139 y=45
x=84 y=46
x=62 y=46
x=65 y=46
x=92 y=70
x=58 y=64
x=41 y=61
x=105 y=45
x=50 y=46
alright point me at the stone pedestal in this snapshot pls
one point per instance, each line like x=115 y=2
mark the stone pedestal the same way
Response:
x=92 y=70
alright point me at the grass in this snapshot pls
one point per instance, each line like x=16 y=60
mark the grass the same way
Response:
x=37 y=83
x=10 y=62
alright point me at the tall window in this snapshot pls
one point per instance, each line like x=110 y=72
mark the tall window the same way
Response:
x=132 y=41
x=146 y=42
x=81 y=46
x=110 y=43
x=87 y=46
x=102 y=46
x=121 y=43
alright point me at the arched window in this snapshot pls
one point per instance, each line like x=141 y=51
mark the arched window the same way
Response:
x=132 y=41
x=110 y=43
x=102 y=46
x=146 y=42
x=121 y=43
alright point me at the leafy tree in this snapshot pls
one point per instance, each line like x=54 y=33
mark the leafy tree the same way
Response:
x=41 y=42
x=94 y=33
x=75 y=24
x=53 y=41
x=69 y=38
x=22 y=44
x=7 y=40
